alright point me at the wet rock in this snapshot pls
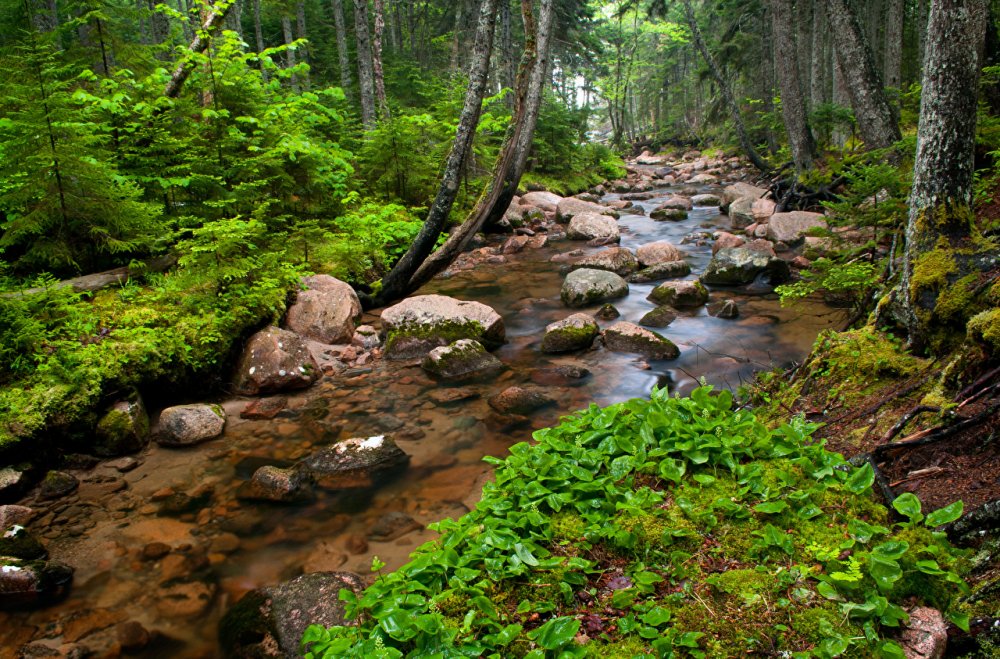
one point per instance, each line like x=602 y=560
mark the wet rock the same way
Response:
x=546 y=201
x=560 y=376
x=607 y=312
x=42 y=650
x=12 y=515
x=30 y=584
x=724 y=240
x=741 y=213
x=186 y=599
x=325 y=557
x=154 y=551
x=739 y=190
x=270 y=621
x=726 y=309
x=676 y=202
x=638 y=196
x=791 y=228
x=661 y=271
x=13 y=483
x=616 y=259
x=366 y=337
x=659 y=317
x=661 y=251
x=461 y=360
x=741 y=265
x=57 y=484
x=628 y=337
x=418 y=324
x=275 y=360
x=762 y=210
x=132 y=636
x=179 y=503
x=122 y=465
x=591 y=226
x=520 y=401
x=585 y=287
x=706 y=200
x=679 y=294
x=356 y=544
x=186 y=425
x=123 y=429
x=668 y=214
x=703 y=179
x=16 y=542
x=925 y=635
x=569 y=208
x=577 y=332
x=393 y=526
x=264 y=408
x=514 y=244
x=445 y=397
x=355 y=463
x=325 y=311
x=269 y=483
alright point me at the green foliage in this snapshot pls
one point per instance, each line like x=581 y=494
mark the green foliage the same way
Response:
x=852 y=281
x=367 y=240
x=675 y=506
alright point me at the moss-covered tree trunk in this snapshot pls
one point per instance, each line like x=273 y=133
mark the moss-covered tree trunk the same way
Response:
x=943 y=250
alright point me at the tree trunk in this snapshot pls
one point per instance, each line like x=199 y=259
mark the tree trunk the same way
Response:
x=456 y=33
x=508 y=67
x=258 y=32
x=286 y=32
x=234 y=19
x=793 y=106
x=726 y=90
x=44 y=15
x=366 y=74
x=183 y=69
x=301 y=33
x=895 y=15
x=343 y=57
x=396 y=284
x=876 y=121
x=803 y=40
x=383 y=105
x=818 y=60
x=159 y=29
x=940 y=249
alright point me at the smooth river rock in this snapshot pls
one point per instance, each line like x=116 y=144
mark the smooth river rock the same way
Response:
x=791 y=228
x=614 y=259
x=185 y=425
x=325 y=311
x=463 y=359
x=355 y=463
x=661 y=251
x=591 y=226
x=679 y=294
x=661 y=271
x=275 y=360
x=734 y=266
x=628 y=337
x=586 y=287
x=421 y=323
x=569 y=208
x=577 y=332
x=519 y=400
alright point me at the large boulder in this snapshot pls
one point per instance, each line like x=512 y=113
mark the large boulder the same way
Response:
x=270 y=621
x=461 y=360
x=30 y=584
x=123 y=428
x=186 y=425
x=355 y=463
x=421 y=323
x=741 y=213
x=763 y=209
x=275 y=360
x=577 y=332
x=325 y=311
x=614 y=259
x=569 y=208
x=546 y=201
x=628 y=337
x=679 y=294
x=586 y=287
x=738 y=190
x=791 y=228
x=734 y=266
x=590 y=226
x=658 y=252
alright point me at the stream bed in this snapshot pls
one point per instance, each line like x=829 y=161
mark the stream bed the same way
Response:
x=168 y=545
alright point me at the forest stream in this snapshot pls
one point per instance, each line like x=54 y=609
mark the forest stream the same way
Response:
x=168 y=544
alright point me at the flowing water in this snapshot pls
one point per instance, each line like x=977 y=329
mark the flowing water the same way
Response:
x=116 y=529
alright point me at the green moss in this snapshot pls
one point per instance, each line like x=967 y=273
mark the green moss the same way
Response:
x=440 y=333
x=569 y=337
x=931 y=271
x=568 y=527
x=984 y=329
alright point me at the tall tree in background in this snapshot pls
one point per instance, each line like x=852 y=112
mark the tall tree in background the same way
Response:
x=793 y=105
x=383 y=105
x=940 y=233
x=876 y=120
x=366 y=68
x=258 y=32
x=343 y=57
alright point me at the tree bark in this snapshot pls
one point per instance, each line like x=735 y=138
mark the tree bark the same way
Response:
x=396 y=284
x=726 y=90
x=286 y=32
x=941 y=224
x=793 y=106
x=302 y=33
x=366 y=73
x=818 y=61
x=258 y=33
x=508 y=67
x=343 y=57
x=159 y=28
x=198 y=45
x=383 y=105
x=234 y=19
x=895 y=16
x=876 y=121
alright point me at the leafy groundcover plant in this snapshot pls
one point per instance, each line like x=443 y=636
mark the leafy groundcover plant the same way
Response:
x=668 y=527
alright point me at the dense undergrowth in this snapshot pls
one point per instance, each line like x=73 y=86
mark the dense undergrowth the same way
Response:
x=662 y=527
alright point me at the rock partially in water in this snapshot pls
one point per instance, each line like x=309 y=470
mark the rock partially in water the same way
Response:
x=607 y=312
x=519 y=401
x=733 y=266
x=13 y=483
x=560 y=376
x=680 y=294
x=741 y=213
x=270 y=621
x=356 y=463
x=325 y=311
x=659 y=317
x=727 y=309
x=393 y=526
x=462 y=360
x=724 y=240
x=661 y=251
x=366 y=337
x=16 y=542
x=668 y=214
x=708 y=200
x=615 y=259
x=132 y=636
x=270 y=483
x=569 y=208
x=58 y=484
x=661 y=271
x=275 y=360
x=791 y=228
x=703 y=179
x=186 y=425
x=628 y=337
x=676 y=202
x=123 y=429
x=591 y=226
x=445 y=397
x=577 y=332
x=585 y=287
x=421 y=323
x=32 y=584
x=264 y=408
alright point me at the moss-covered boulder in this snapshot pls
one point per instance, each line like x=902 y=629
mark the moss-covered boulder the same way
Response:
x=680 y=294
x=577 y=332
x=418 y=324
x=462 y=360
x=668 y=214
x=628 y=337
x=16 y=542
x=585 y=287
x=659 y=317
x=123 y=429
x=57 y=484
x=270 y=621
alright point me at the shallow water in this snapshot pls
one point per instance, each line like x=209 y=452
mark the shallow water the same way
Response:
x=221 y=547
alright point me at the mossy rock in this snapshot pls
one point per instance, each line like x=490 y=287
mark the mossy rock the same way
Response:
x=123 y=429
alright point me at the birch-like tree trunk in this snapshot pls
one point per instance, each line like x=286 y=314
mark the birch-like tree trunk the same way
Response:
x=366 y=72
x=508 y=67
x=182 y=71
x=343 y=57
x=876 y=120
x=793 y=106
x=940 y=249
x=383 y=105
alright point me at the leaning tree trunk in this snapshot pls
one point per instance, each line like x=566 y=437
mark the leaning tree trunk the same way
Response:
x=343 y=57
x=876 y=120
x=726 y=90
x=198 y=45
x=366 y=68
x=383 y=105
x=940 y=234
x=396 y=284
x=793 y=105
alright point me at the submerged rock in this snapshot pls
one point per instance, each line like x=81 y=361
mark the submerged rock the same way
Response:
x=727 y=309
x=275 y=360
x=358 y=462
x=461 y=360
x=577 y=332
x=680 y=294
x=325 y=311
x=393 y=526
x=628 y=337
x=123 y=429
x=185 y=425
x=270 y=483
x=585 y=287
x=421 y=323
x=518 y=400
x=560 y=376
x=57 y=484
